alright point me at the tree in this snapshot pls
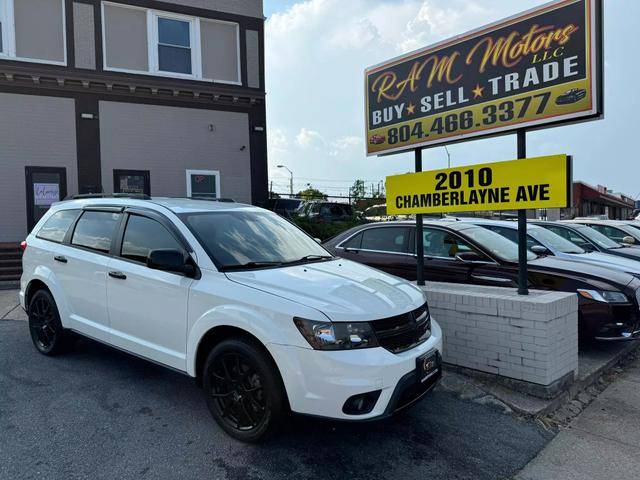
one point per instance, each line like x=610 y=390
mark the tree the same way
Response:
x=358 y=190
x=311 y=193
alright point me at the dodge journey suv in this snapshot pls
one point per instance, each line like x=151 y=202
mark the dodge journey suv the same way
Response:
x=265 y=319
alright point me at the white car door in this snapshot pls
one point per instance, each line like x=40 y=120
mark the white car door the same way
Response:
x=81 y=267
x=148 y=307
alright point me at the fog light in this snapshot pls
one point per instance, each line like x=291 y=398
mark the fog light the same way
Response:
x=361 y=403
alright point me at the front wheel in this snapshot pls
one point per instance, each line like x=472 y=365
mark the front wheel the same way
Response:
x=244 y=390
x=45 y=327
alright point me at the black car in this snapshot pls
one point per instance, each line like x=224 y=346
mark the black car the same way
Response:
x=327 y=212
x=460 y=252
x=572 y=96
x=590 y=239
x=284 y=206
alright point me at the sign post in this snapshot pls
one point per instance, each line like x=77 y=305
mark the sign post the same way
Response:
x=419 y=230
x=523 y=277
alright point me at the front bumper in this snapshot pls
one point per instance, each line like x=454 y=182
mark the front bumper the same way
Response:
x=320 y=382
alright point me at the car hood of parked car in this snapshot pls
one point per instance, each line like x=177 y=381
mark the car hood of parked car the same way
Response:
x=610 y=261
x=341 y=289
x=596 y=274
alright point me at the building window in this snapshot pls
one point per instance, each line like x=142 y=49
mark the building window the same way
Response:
x=174 y=45
x=144 y=41
x=18 y=21
x=203 y=183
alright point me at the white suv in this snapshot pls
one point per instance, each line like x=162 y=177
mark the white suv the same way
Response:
x=235 y=296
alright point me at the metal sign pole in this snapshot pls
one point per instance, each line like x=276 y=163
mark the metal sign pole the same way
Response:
x=523 y=282
x=419 y=236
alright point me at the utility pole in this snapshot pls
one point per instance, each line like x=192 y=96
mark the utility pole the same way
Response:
x=448 y=157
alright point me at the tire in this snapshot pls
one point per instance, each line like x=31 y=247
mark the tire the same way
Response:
x=244 y=390
x=45 y=327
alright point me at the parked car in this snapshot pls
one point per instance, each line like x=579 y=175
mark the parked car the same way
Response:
x=571 y=96
x=542 y=241
x=327 y=212
x=287 y=207
x=590 y=239
x=237 y=297
x=377 y=139
x=461 y=252
x=616 y=230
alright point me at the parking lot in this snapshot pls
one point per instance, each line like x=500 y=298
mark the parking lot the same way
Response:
x=99 y=413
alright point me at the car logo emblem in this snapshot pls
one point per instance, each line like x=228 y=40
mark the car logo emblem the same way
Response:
x=429 y=364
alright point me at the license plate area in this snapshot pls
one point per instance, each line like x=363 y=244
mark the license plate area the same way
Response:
x=427 y=365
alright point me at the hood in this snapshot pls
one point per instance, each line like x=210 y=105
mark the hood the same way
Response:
x=610 y=261
x=341 y=289
x=593 y=273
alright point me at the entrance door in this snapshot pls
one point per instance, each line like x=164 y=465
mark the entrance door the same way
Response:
x=45 y=185
x=132 y=181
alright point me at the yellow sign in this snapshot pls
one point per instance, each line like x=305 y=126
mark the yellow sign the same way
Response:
x=542 y=182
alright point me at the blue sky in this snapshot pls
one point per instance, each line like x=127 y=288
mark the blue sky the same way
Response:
x=317 y=50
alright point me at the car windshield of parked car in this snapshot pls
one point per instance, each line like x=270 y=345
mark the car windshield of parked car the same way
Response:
x=597 y=237
x=238 y=239
x=635 y=229
x=495 y=244
x=553 y=241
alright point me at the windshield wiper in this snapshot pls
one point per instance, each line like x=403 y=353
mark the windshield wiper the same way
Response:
x=250 y=265
x=309 y=258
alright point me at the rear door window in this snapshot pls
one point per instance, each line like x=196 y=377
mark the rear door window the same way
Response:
x=386 y=239
x=144 y=234
x=55 y=229
x=95 y=230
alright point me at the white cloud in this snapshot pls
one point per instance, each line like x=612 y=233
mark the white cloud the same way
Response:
x=309 y=139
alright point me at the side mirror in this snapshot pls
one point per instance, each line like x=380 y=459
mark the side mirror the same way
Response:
x=629 y=240
x=470 y=257
x=317 y=240
x=540 y=250
x=169 y=260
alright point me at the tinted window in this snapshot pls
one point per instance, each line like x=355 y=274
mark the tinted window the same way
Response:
x=353 y=242
x=570 y=235
x=614 y=234
x=511 y=234
x=495 y=243
x=439 y=243
x=142 y=235
x=57 y=226
x=95 y=230
x=386 y=239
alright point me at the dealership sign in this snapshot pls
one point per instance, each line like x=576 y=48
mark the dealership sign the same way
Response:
x=542 y=182
x=538 y=68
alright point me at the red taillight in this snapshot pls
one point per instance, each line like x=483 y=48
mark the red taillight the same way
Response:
x=23 y=245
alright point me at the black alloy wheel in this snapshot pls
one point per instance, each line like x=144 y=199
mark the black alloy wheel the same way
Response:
x=243 y=389
x=45 y=327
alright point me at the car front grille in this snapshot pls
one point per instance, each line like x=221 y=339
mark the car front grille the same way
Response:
x=403 y=332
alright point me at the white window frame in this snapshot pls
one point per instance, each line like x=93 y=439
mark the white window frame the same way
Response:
x=203 y=172
x=238 y=59
x=152 y=45
x=9 y=35
x=153 y=17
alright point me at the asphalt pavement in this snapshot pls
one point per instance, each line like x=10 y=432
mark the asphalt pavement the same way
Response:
x=100 y=413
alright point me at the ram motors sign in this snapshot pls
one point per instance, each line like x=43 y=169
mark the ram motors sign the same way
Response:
x=538 y=68
x=542 y=182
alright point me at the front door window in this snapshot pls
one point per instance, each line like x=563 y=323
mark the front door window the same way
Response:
x=203 y=183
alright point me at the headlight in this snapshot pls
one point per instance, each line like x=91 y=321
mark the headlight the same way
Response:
x=336 y=336
x=604 y=296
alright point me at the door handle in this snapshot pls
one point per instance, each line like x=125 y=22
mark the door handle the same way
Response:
x=118 y=275
x=60 y=258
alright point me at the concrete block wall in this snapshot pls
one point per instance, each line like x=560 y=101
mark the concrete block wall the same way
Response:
x=532 y=338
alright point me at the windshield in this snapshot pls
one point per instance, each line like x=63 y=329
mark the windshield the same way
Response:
x=597 y=237
x=495 y=243
x=252 y=239
x=553 y=241
x=635 y=229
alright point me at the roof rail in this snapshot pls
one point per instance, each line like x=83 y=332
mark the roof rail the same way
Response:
x=207 y=199
x=138 y=196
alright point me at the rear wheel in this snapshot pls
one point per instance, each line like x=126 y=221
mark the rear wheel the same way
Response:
x=243 y=389
x=45 y=327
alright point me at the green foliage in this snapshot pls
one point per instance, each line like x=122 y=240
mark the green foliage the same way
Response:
x=324 y=231
x=311 y=194
x=358 y=190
